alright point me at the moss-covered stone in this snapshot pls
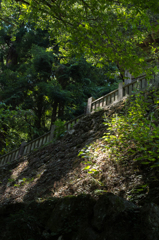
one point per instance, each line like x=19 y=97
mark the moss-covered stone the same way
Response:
x=108 y=208
x=80 y=218
x=69 y=213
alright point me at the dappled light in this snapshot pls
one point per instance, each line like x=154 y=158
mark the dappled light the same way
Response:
x=62 y=169
x=43 y=187
x=79 y=120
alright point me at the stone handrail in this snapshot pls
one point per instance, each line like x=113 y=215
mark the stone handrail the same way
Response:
x=123 y=90
x=9 y=157
x=26 y=148
x=69 y=125
x=105 y=100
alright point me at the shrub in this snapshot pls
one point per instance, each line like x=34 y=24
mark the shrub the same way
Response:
x=136 y=133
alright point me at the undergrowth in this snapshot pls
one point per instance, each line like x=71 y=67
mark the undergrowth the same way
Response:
x=131 y=137
x=135 y=133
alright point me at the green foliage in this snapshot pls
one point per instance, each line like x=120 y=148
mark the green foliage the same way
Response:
x=91 y=168
x=35 y=79
x=23 y=181
x=135 y=133
x=13 y=126
x=99 y=191
x=11 y=180
x=103 y=30
x=20 y=182
x=42 y=77
x=59 y=128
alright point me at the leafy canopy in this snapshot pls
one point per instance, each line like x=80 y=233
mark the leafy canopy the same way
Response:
x=103 y=30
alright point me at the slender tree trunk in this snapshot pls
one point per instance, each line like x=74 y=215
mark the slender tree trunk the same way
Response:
x=61 y=110
x=121 y=71
x=39 y=112
x=54 y=112
x=12 y=57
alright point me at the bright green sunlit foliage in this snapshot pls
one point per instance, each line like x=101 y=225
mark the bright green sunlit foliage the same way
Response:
x=102 y=30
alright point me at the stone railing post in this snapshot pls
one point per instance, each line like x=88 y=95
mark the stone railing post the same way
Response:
x=21 y=150
x=89 y=104
x=120 y=91
x=52 y=132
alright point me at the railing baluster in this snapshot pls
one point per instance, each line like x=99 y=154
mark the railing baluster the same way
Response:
x=13 y=156
x=16 y=155
x=32 y=146
x=1 y=161
x=112 y=98
x=29 y=148
x=25 y=149
x=116 y=96
x=104 y=101
x=9 y=157
x=48 y=138
x=108 y=100
x=101 y=103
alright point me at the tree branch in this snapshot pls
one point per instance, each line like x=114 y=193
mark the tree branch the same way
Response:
x=22 y=1
x=7 y=21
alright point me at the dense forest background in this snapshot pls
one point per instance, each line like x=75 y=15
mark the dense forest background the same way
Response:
x=54 y=55
x=39 y=85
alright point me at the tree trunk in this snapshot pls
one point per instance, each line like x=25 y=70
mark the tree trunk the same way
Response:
x=61 y=110
x=54 y=111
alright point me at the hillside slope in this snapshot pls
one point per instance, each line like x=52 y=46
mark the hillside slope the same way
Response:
x=56 y=170
x=38 y=180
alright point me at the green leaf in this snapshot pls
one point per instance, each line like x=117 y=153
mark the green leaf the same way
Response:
x=94 y=170
x=99 y=191
x=86 y=168
x=145 y=163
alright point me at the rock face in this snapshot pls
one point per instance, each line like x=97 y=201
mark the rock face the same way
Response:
x=108 y=208
x=80 y=218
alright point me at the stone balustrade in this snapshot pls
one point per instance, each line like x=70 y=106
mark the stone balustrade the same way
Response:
x=139 y=84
